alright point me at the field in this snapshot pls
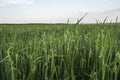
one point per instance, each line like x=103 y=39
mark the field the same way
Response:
x=60 y=51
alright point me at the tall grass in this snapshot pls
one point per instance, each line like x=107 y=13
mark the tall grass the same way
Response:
x=60 y=52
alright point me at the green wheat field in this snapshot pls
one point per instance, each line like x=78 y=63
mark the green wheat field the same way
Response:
x=60 y=51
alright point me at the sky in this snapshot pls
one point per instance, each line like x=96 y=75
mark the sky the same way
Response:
x=58 y=11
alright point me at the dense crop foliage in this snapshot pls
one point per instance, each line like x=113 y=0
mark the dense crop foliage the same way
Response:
x=60 y=52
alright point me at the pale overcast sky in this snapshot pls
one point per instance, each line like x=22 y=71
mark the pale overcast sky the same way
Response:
x=57 y=11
